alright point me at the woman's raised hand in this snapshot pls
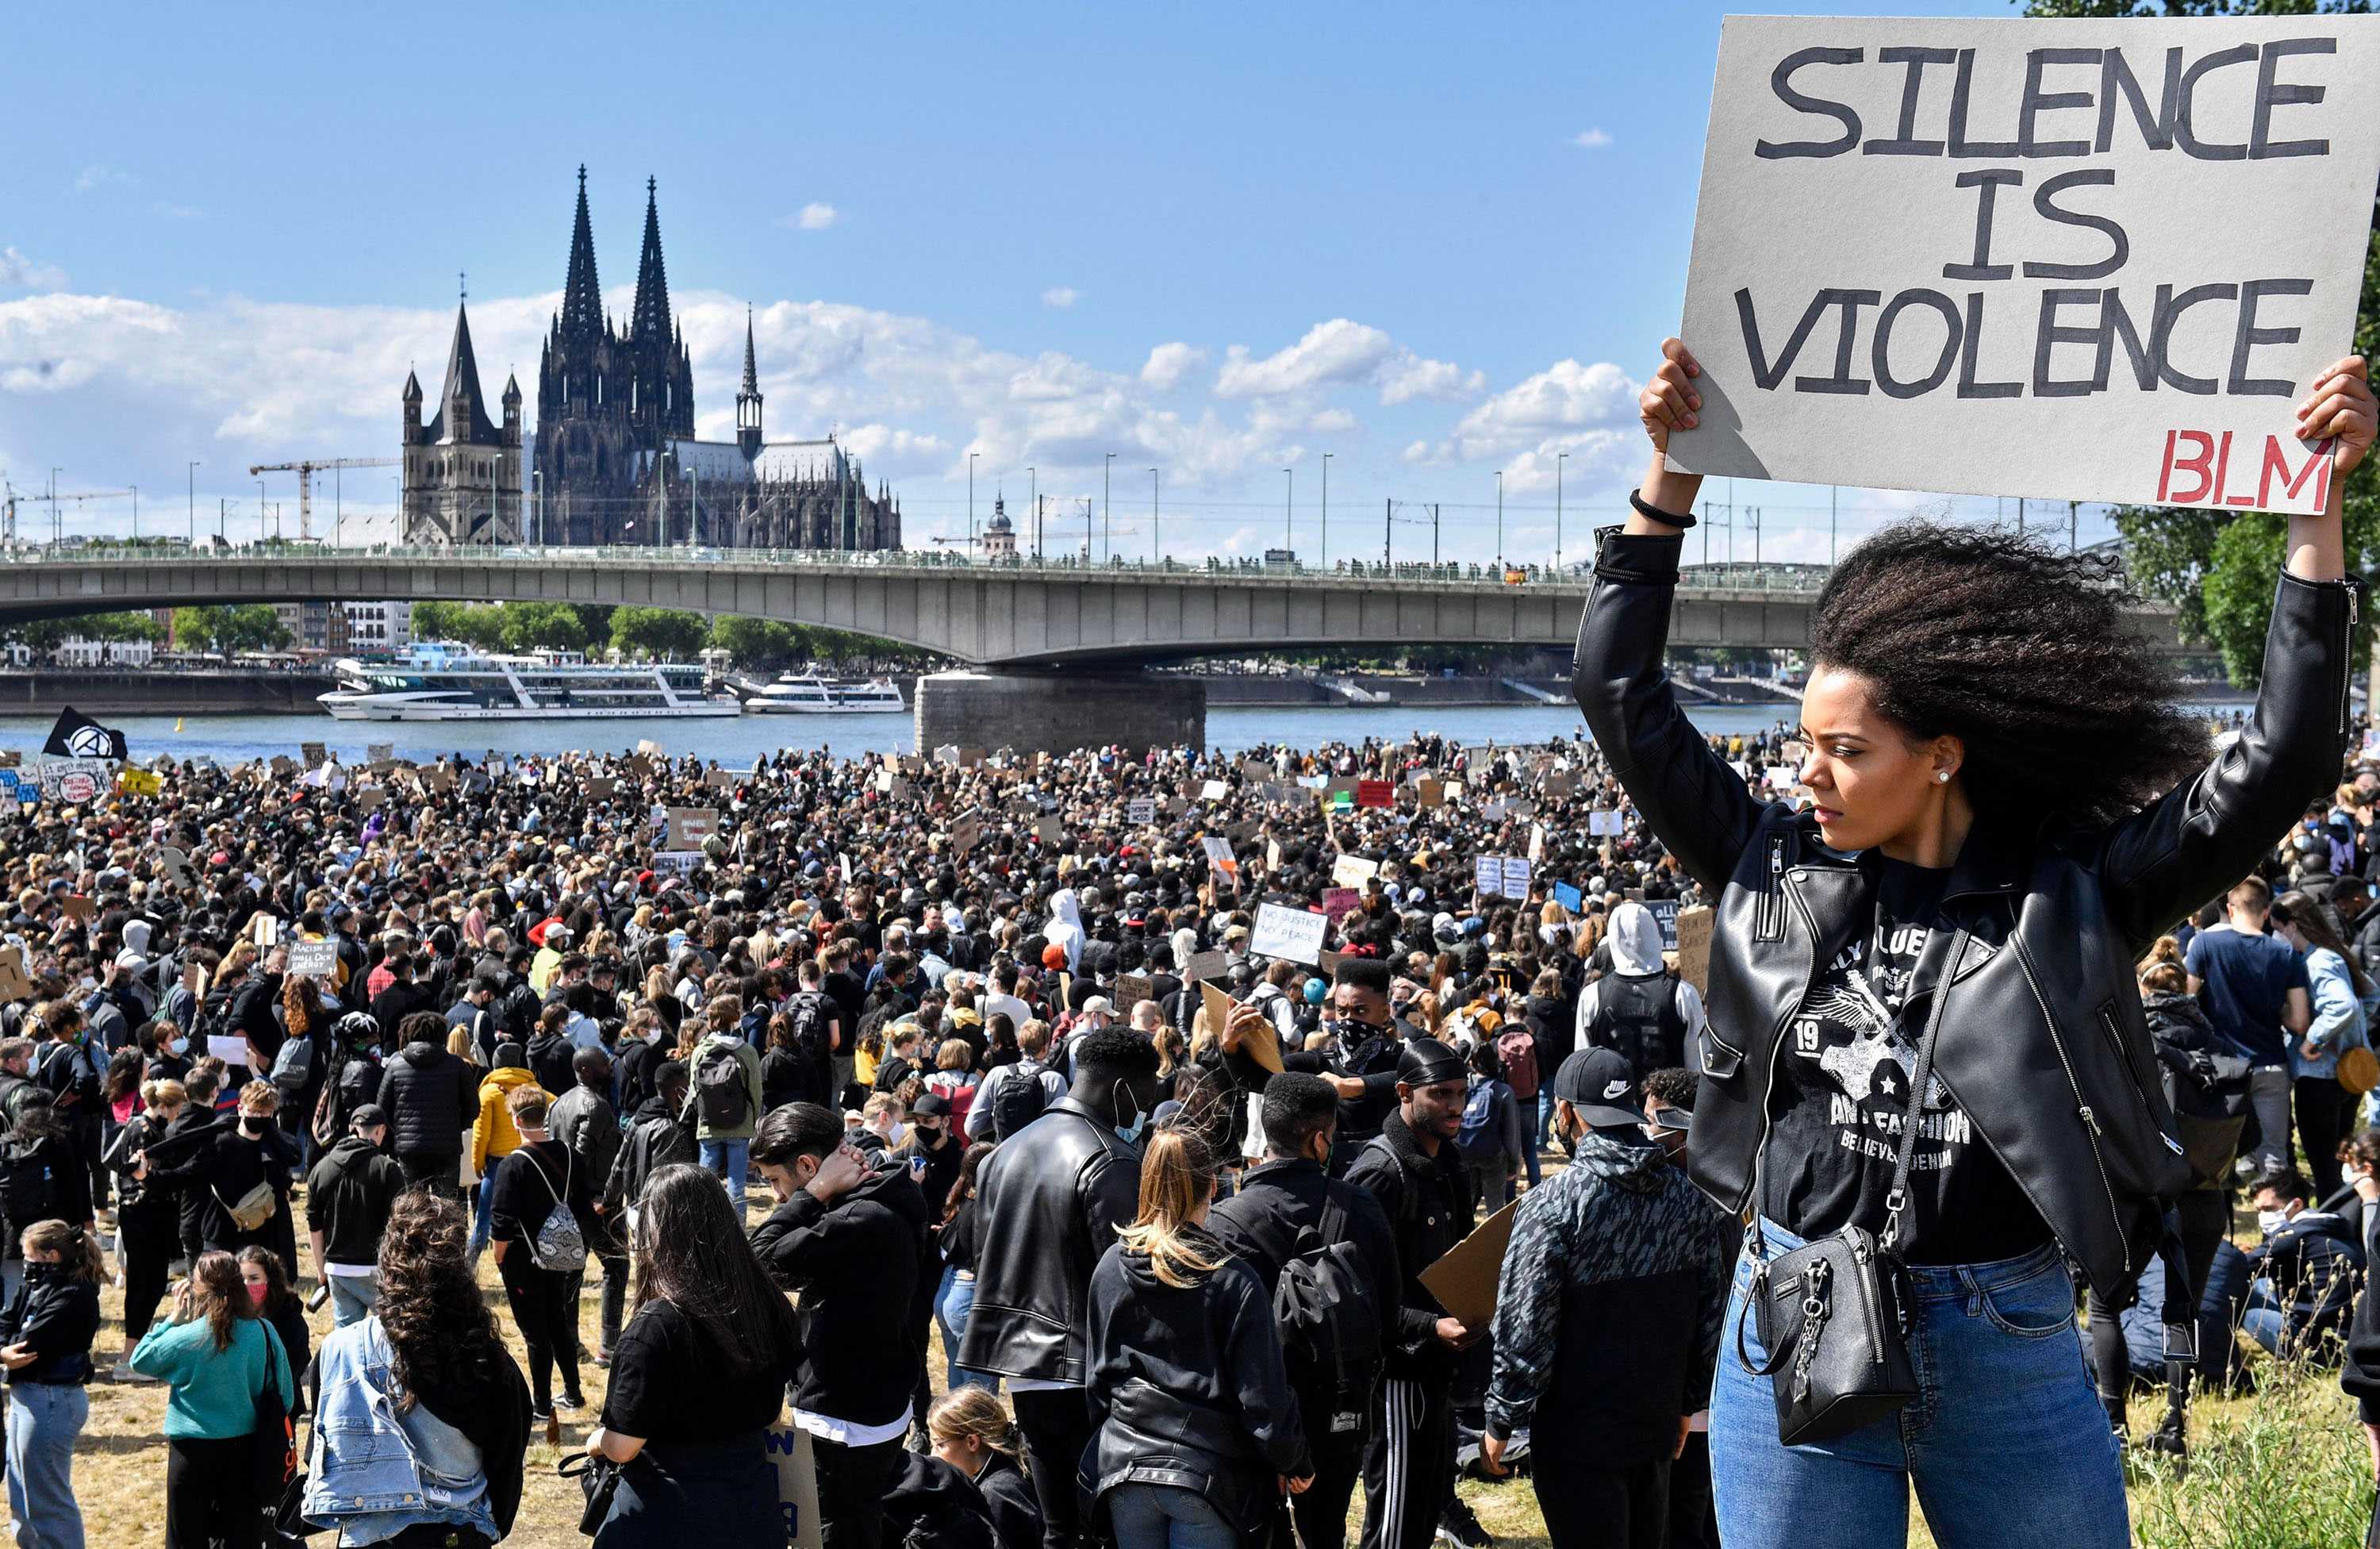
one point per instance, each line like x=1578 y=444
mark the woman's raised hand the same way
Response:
x=2340 y=406
x=1670 y=401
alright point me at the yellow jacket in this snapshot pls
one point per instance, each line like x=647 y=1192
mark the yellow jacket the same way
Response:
x=493 y=1138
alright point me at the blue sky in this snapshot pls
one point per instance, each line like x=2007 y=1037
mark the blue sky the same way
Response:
x=1432 y=241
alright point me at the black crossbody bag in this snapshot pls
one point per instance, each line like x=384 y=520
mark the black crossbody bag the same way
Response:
x=1834 y=1313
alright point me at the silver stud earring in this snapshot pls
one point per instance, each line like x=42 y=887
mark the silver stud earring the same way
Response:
x=1941 y=776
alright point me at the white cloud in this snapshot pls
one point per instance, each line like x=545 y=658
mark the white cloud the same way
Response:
x=813 y=217
x=16 y=270
x=1060 y=295
x=1168 y=364
x=1339 y=353
x=1592 y=140
x=91 y=176
x=1588 y=411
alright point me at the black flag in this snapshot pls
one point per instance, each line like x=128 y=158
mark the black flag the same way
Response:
x=77 y=735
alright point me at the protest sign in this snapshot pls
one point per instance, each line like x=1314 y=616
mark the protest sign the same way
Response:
x=1568 y=896
x=1693 y=947
x=79 y=907
x=1375 y=793
x=1213 y=790
x=1919 y=243
x=689 y=826
x=1429 y=793
x=379 y=752
x=793 y=1456
x=1353 y=870
x=1204 y=966
x=722 y=779
x=15 y=983
x=139 y=782
x=232 y=1050
x=648 y=747
x=263 y=929
x=676 y=862
x=1288 y=933
x=1131 y=989
x=1665 y=915
x=966 y=835
x=1604 y=823
x=1048 y=830
x=1488 y=875
x=313 y=754
x=1261 y=1043
x=174 y=865
x=1219 y=858
x=1516 y=876
x=1336 y=901
x=1141 y=811
x=1464 y=1277
x=313 y=959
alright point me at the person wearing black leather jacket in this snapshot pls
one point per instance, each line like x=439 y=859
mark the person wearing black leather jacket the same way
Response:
x=1048 y=1205
x=430 y=1098
x=1996 y=770
x=1198 y=1428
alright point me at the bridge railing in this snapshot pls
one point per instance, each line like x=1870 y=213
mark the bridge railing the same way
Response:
x=1754 y=578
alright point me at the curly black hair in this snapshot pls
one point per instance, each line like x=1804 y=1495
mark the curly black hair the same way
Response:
x=2021 y=652
x=442 y=1336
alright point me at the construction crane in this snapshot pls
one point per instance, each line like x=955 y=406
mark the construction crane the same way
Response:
x=305 y=471
x=57 y=522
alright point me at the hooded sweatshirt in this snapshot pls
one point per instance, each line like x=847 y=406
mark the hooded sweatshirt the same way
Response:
x=1608 y=1310
x=853 y=1262
x=495 y=1136
x=1065 y=927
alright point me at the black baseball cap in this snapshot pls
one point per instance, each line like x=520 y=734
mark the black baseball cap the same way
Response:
x=1598 y=1084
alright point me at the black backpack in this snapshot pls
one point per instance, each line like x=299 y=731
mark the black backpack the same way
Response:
x=1020 y=1100
x=1330 y=1329
x=2208 y=1093
x=33 y=1191
x=809 y=1014
x=719 y=1087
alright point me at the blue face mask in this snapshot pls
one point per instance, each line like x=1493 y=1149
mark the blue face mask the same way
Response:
x=1130 y=1133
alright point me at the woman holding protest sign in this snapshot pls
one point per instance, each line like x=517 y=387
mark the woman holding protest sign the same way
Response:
x=1927 y=1080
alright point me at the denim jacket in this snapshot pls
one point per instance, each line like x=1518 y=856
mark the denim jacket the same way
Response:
x=2339 y=1022
x=377 y=1471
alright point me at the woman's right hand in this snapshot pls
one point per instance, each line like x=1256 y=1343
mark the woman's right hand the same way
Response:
x=1670 y=401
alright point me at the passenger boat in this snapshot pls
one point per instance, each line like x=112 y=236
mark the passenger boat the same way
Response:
x=436 y=680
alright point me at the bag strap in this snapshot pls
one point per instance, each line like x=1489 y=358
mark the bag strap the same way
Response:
x=1898 y=1199
x=1333 y=1224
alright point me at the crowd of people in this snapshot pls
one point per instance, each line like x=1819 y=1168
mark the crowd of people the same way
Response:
x=987 y=1039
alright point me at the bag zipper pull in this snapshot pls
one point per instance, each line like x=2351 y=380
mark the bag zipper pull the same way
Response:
x=2090 y=1120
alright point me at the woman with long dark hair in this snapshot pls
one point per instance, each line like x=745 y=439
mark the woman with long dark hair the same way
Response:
x=955 y=1243
x=218 y=1356
x=278 y=1303
x=2339 y=989
x=697 y=1377
x=425 y=1362
x=1923 y=1023
x=147 y=1215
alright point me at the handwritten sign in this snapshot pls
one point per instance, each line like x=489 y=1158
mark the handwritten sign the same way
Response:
x=689 y=826
x=2094 y=260
x=1353 y=870
x=313 y=959
x=1141 y=811
x=1288 y=933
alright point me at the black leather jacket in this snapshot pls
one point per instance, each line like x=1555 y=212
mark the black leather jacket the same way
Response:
x=1047 y=1206
x=2044 y=1043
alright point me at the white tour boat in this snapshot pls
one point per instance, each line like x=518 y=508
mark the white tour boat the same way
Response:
x=438 y=681
x=798 y=694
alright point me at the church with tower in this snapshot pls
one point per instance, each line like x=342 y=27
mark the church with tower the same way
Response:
x=615 y=459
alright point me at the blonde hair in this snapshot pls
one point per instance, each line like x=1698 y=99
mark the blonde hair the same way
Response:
x=163 y=1092
x=973 y=1412
x=260 y=1098
x=1177 y=1179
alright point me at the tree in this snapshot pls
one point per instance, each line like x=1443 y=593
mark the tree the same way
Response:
x=227 y=629
x=543 y=627
x=2220 y=567
x=478 y=624
x=749 y=640
x=657 y=632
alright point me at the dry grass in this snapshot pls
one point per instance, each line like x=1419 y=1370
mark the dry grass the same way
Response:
x=120 y=1465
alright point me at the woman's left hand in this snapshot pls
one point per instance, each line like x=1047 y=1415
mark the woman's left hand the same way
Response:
x=15 y=1355
x=2340 y=406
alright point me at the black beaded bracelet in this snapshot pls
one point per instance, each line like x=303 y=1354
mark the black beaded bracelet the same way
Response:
x=1651 y=514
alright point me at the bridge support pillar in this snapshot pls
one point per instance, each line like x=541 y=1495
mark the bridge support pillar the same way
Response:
x=1057 y=711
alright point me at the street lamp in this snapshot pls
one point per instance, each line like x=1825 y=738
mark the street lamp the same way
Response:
x=971 y=456
x=194 y=503
x=135 y=516
x=1289 y=512
x=1559 y=459
x=57 y=523
x=1107 y=475
x=1156 y=550
x=1033 y=474
x=1499 y=520
x=1326 y=509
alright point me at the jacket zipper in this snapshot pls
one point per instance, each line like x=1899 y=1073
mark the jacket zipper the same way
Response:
x=1776 y=1041
x=2347 y=677
x=2090 y=1119
x=1770 y=923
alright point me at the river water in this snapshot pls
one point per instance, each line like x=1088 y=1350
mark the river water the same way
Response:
x=736 y=742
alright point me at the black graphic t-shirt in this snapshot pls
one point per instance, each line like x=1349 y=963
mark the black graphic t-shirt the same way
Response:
x=1841 y=1095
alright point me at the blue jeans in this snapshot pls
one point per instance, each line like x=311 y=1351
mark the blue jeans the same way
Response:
x=1162 y=1517
x=351 y=1299
x=2264 y=1319
x=2005 y=1442
x=952 y=1303
x=1533 y=1134
x=43 y=1420
x=732 y=1160
x=483 y=1204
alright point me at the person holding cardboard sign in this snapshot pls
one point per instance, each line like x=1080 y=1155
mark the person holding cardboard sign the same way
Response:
x=1923 y=1063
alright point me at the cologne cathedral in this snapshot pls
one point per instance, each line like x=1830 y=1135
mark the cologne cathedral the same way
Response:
x=614 y=457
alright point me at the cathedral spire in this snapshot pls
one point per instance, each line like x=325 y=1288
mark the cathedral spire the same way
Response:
x=462 y=413
x=751 y=369
x=582 y=296
x=747 y=400
x=651 y=320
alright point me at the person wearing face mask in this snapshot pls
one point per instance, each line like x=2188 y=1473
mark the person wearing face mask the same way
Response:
x=1048 y=1204
x=1607 y=1318
x=45 y=1336
x=1264 y=1225
x=2306 y=1271
x=147 y=1215
x=277 y=1303
x=223 y=1165
x=1668 y=1123
x=851 y=1241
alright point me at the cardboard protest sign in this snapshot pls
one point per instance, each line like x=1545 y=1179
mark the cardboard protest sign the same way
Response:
x=1131 y=989
x=1693 y=947
x=1429 y=793
x=1048 y=830
x=794 y=1456
x=15 y=982
x=379 y=752
x=313 y=754
x=1260 y=1044
x=1204 y=966
x=174 y=865
x=1141 y=811
x=313 y=959
x=263 y=929
x=78 y=907
x=2091 y=259
x=966 y=835
x=1288 y=933
x=1464 y=1277
x=647 y=748
x=723 y=779
x=689 y=826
